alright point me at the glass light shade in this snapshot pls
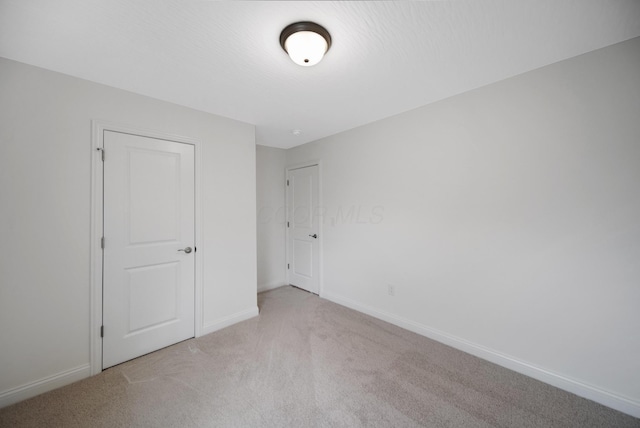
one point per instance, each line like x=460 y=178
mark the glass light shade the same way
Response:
x=306 y=48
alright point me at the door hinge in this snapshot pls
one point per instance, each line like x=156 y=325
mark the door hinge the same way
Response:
x=101 y=150
x=288 y=266
x=287 y=224
x=101 y=331
x=287 y=182
x=195 y=249
x=102 y=242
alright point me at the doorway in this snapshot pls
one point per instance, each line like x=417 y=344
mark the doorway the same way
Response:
x=304 y=227
x=146 y=291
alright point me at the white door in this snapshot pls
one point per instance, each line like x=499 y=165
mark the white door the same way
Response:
x=303 y=218
x=149 y=263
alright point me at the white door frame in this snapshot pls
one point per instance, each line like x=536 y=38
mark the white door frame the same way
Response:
x=320 y=221
x=98 y=127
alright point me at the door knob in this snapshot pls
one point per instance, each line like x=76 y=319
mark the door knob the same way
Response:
x=186 y=250
x=314 y=236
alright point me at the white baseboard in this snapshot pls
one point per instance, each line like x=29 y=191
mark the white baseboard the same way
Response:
x=582 y=389
x=270 y=286
x=229 y=320
x=31 y=389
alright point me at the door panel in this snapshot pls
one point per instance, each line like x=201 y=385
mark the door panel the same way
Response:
x=303 y=258
x=303 y=196
x=301 y=183
x=154 y=196
x=160 y=281
x=149 y=285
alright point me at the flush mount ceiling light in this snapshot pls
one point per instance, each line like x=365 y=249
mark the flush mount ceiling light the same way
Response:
x=305 y=42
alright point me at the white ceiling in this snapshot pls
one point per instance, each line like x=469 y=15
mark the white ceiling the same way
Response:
x=386 y=58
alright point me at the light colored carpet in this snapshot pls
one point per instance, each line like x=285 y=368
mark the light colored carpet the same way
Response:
x=307 y=362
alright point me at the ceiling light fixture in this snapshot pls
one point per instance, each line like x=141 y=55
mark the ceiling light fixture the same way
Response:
x=305 y=42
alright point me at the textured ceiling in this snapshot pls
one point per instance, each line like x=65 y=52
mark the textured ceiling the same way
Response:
x=386 y=57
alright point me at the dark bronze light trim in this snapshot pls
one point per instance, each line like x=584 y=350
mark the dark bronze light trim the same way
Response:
x=304 y=26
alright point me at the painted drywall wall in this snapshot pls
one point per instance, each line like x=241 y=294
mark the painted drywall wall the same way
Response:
x=270 y=200
x=45 y=165
x=507 y=218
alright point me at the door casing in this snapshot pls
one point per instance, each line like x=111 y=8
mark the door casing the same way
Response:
x=98 y=128
x=320 y=222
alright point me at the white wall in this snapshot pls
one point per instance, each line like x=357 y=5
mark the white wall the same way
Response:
x=270 y=196
x=508 y=219
x=45 y=163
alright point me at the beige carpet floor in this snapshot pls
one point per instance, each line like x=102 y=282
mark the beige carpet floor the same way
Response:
x=307 y=362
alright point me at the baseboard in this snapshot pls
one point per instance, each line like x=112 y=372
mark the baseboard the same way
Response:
x=229 y=320
x=582 y=389
x=270 y=286
x=31 y=389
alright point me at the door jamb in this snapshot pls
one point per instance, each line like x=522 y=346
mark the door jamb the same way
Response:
x=288 y=169
x=98 y=127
